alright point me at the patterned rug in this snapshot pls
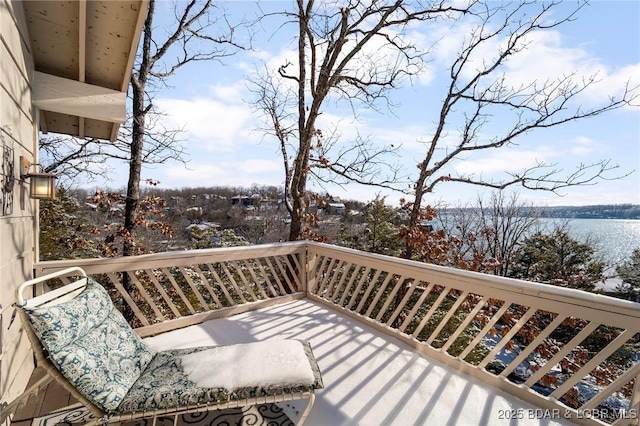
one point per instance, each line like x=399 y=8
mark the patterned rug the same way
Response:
x=259 y=415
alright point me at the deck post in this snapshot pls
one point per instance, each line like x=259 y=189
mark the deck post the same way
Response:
x=304 y=273
x=310 y=260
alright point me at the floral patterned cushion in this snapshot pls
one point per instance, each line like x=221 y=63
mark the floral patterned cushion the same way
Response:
x=92 y=345
x=165 y=385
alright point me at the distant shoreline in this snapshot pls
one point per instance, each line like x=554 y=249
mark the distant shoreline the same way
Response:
x=589 y=217
x=613 y=211
x=609 y=211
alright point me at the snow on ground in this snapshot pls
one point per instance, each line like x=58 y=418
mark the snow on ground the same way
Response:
x=369 y=378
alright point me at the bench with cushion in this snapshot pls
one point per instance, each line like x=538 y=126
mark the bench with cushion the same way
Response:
x=85 y=343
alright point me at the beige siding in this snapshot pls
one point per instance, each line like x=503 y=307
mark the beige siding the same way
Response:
x=17 y=133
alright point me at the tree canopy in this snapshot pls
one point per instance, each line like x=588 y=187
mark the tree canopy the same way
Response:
x=629 y=272
x=558 y=259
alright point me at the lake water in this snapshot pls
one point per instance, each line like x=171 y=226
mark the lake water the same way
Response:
x=614 y=239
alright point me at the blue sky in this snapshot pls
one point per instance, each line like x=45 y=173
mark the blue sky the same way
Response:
x=224 y=147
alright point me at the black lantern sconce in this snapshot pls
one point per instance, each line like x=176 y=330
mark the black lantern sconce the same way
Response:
x=42 y=186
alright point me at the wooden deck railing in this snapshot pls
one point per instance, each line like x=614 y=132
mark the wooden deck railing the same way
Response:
x=174 y=289
x=574 y=354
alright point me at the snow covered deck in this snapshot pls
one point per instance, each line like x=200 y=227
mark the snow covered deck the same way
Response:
x=399 y=342
x=370 y=378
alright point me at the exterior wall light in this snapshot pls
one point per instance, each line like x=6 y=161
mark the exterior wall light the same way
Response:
x=42 y=186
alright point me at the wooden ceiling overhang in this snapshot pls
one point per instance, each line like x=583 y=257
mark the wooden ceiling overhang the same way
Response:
x=83 y=52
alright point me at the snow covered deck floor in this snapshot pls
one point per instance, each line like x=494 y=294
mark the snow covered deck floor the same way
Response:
x=369 y=378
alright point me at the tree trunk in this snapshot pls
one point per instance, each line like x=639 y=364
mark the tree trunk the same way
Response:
x=135 y=167
x=133 y=192
x=296 y=219
x=135 y=162
x=299 y=180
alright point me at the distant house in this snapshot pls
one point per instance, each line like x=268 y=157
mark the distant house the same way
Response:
x=194 y=213
x=246 y=201
x=427 y=225
x=116 y=209
x=335 y=208
x=203 y=226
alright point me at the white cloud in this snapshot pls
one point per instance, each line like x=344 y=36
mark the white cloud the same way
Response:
x=242 y=172
x=208 y=122
x=196 y=175
x=546 y=57
x=612 y=82
x=256 y=166
x=409 y=137
x=229 y=94
x=258 y=59
x=626 y=190
x=502 y=161
x=582 y=146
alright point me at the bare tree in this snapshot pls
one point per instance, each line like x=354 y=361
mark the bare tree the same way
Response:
x=190 y=39
x=479 y=89
x=350 y=51
x=71 y=157
x=86 y=160
x=489 y=232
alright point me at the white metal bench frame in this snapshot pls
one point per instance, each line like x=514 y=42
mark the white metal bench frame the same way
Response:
x=68 y=292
